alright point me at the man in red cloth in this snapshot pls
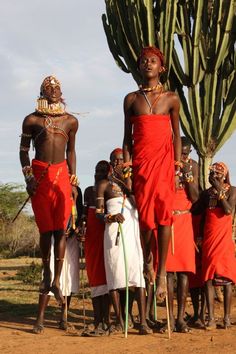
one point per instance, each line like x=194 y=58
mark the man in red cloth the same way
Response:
x=51 y=179
x=218 y=254
x=94 y=254
x=152 y=141
x=181 y=254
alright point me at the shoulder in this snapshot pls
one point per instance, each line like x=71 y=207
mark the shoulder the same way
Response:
x=30 y=119
x=101 y=185
x=88 y=189
x=72 y=121
x=172 y=97
x=233 y=190
x=129 y=99
x=72 y=118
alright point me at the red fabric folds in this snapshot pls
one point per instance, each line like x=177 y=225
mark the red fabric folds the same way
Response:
x=218 y=248
x=153 y=169
x=52 y=201
x=183 y=259
x=94 y=251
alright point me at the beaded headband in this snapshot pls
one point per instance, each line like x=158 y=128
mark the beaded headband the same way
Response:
x=49 y=81
x=219 y=167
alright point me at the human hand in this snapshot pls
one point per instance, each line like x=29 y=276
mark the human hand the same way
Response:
x=31 y=186
x=117 y=218
x=177 y=182
x=214 y=182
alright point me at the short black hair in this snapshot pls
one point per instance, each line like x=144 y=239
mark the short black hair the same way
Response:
x=185 y=141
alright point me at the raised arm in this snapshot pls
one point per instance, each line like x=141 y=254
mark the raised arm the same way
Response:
x=191 y=181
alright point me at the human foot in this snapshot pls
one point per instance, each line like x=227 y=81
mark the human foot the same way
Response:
x=45 y=284
x=211 y=324
x=144 y=329
x=38 y=328
x=58 y=294
x=182 y=327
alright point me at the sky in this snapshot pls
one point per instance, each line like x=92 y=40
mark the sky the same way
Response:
x=66 y=39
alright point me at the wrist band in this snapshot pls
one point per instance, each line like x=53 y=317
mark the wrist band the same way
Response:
x=74 y=180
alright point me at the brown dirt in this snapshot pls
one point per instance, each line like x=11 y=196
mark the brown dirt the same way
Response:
x=17 y=315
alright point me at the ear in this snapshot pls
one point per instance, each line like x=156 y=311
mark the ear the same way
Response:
x=162 y=70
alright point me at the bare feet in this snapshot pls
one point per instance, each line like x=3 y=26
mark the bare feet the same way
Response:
x=38 y=328
x=161 y=289
x=164 y=329
x=182 y=327
x=58 y=294
x=45 y=285
x=211 y=324
x=144 y=329
x=227 y=323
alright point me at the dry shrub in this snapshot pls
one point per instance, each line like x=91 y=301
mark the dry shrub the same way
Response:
x=20 y=238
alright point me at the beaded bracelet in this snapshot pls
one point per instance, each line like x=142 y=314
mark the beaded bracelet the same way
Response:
x=107 y=218
x=178 y=164
x=221 y=195
x=28 y=173
x=74 y=180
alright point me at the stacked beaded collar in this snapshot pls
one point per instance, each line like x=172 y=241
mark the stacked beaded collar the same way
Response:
x=158 y=87
x=54 y=109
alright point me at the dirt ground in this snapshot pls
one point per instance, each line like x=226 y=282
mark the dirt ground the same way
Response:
x=18 y=307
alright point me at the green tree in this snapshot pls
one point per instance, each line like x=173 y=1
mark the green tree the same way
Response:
x=12 y=196
x=20 y=237
x=197 y=39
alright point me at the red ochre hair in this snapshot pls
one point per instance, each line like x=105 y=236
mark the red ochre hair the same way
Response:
x=152 y=51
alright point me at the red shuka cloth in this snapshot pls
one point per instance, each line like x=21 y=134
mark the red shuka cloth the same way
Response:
x=195 y=280
x=218 y=248
x=153 y=169
x=183 y=259
x=94 y=251
x=52 y=201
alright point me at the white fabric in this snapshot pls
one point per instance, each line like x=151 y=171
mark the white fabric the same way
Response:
x=114 y=256
x=69 y=280
x=99 y=290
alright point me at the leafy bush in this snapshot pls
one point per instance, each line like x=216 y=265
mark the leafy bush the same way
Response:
x=30 y=274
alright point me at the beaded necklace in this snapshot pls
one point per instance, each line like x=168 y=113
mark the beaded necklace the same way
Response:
x=51 y=128
x=149 y=89
x=158 y=87
x=115 y=186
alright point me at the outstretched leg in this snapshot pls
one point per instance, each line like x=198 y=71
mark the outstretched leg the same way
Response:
x=59 y=253
x=170 y=290
x=210 y=298
x=45 y=248
x=164 y=234
x=115 y=298
x=146 y=241
x=43 y=302
x=141 y=299
x=182 y=290
x=227 y=305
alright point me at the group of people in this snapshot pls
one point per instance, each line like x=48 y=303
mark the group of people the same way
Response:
x=142 y=218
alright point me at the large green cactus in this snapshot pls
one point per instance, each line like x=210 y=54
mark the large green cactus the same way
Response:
x=197 y=39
